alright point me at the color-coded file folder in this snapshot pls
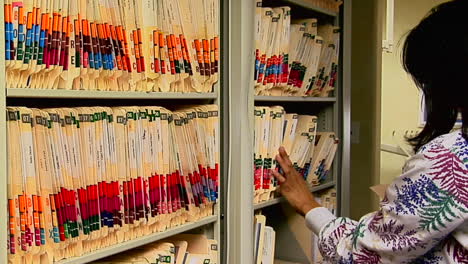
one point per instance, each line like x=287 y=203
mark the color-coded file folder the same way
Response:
x=109 y=45
x=80 y=179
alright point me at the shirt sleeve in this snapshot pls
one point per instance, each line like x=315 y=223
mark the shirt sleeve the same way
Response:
x=318 y=218
x=425 y=204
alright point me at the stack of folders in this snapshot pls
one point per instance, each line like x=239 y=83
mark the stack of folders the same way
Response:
x=311 y=152
x=265 y=238
x=109 y=45
x=181 y=249
x=294 y=57
x=80 y=179
x=328 y=200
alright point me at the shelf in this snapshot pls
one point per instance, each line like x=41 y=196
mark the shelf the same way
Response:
x=308 y=5
x=282 y=199
x=105 y=252
x=43 y=93
x=294 y=99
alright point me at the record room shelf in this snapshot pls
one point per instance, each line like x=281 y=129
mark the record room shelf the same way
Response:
x=282 y=199
x=294 y=99
x=306 y=4
x=127 y=245
x=85 y=94
x=333 y=115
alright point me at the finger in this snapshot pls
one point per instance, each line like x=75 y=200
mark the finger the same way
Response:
x=286 y=168
x=285 y=156
x=281 y=179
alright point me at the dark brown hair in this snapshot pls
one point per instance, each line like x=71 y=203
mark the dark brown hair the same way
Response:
x=435 y=54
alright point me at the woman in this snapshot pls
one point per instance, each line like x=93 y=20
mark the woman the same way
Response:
x=424 y=216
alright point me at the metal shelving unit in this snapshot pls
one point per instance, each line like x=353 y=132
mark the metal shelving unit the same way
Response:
x=232 y=223
x=211 y=226
x=281 y=199
x=333 y=115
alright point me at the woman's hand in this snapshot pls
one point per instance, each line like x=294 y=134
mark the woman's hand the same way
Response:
x=292 y=185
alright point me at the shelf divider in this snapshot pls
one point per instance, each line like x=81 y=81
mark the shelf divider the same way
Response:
x=310 y=6
x=131 y=244
x=294 y=99
x=282 y=199
x=86 y=94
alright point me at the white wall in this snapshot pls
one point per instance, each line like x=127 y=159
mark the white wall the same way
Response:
x=400 y=97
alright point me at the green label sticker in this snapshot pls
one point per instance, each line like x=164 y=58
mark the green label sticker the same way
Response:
x=68 y=120
x=11 y=116
x=54 y=117
x=258 y=163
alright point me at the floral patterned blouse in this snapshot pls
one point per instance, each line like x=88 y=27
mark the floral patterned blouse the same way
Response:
x=422 y=219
